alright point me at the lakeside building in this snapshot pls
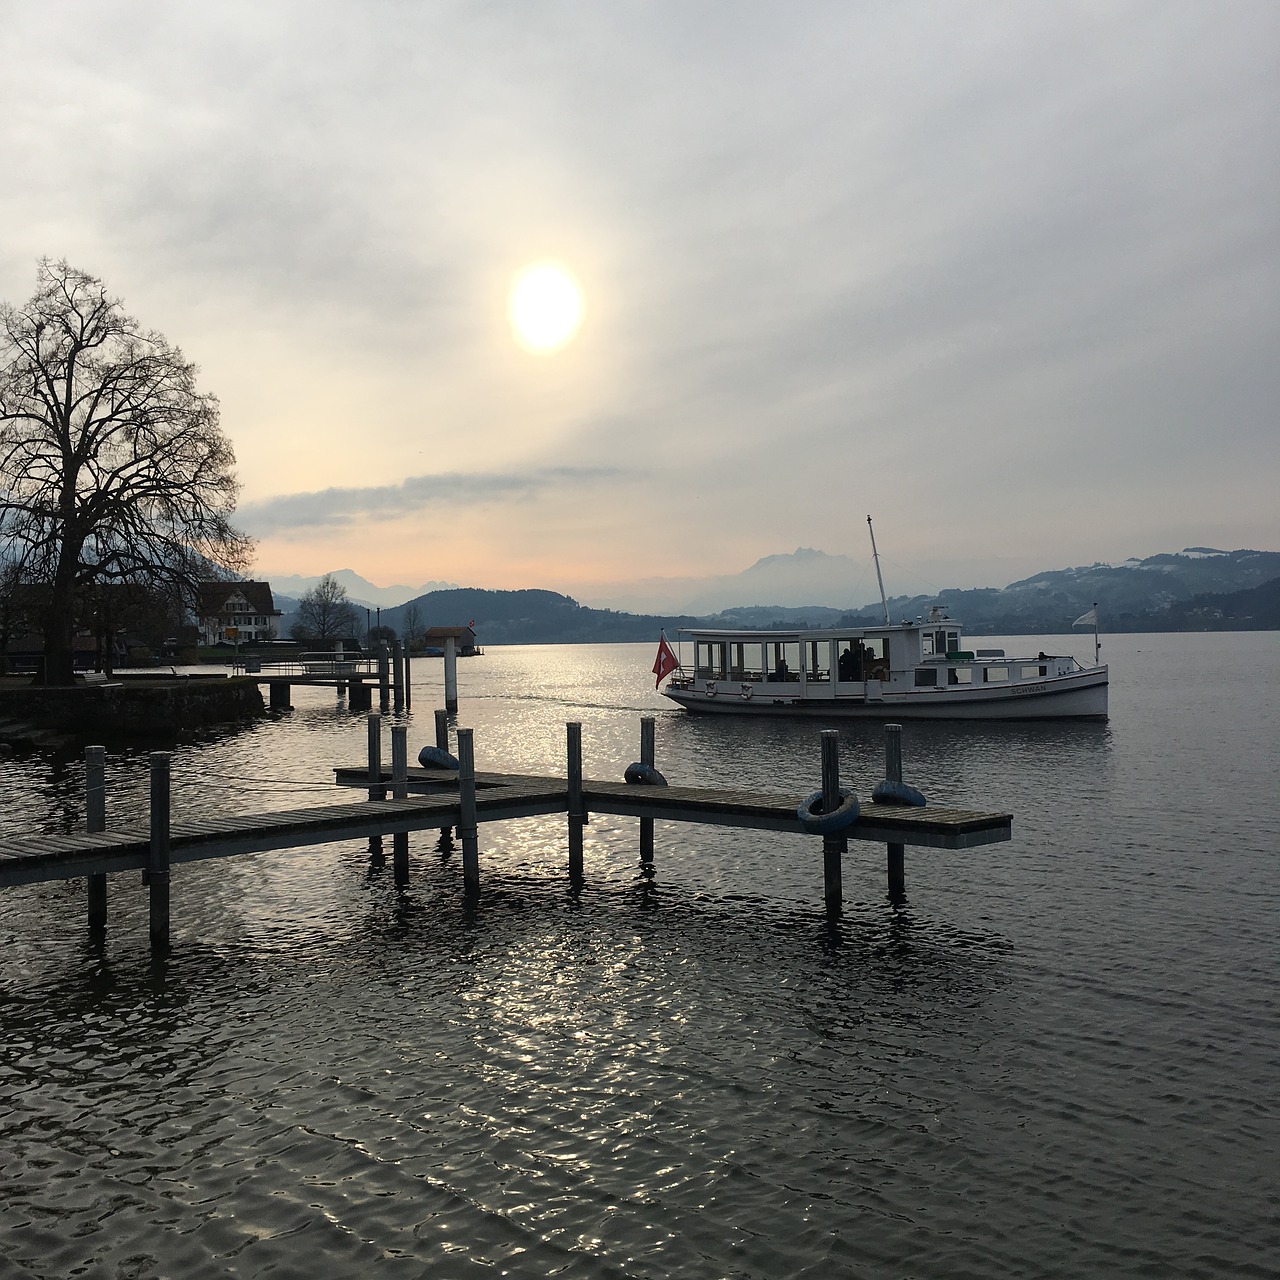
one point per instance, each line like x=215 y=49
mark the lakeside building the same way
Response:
x=237 y=611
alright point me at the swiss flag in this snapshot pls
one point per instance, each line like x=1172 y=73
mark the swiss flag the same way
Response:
x=665 y=663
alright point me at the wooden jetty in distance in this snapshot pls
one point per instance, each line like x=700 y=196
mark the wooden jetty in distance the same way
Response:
x=439 y=798
x=356 y=676
x=353 y=675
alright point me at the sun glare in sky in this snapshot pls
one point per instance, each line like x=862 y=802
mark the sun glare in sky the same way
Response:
x=545 y=307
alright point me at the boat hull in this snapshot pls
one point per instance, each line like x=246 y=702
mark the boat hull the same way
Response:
x=1077 y=697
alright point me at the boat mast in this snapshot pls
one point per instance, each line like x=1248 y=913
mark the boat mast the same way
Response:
x=875 y=555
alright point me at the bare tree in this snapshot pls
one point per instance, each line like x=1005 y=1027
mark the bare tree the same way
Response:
x=113 y=466
x=325 y=613
x=413 y=625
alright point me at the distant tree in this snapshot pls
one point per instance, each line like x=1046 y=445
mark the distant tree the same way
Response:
x=325 y=613
x=381 y=635
x=113 y=466
x=412 y=625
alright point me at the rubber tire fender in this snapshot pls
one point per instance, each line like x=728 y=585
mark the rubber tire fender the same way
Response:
x=437 y=758
x=644 y=775
x=899 y=793
x=810 y=816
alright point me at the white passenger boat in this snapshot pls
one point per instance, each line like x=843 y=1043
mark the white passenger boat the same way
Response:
x=913 y=671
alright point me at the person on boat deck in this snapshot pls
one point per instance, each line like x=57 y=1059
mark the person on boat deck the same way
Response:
x=781 y=671
x=848 y=665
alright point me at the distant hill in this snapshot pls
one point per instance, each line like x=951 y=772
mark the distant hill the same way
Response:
x=1197 y=589
x=1254 y=609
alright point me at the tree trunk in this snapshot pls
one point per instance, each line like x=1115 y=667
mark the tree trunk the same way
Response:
x=60 y=624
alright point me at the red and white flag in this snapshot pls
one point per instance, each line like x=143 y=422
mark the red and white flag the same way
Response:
x=665 y=663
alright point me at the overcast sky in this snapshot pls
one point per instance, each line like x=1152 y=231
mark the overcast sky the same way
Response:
x=1002 y=275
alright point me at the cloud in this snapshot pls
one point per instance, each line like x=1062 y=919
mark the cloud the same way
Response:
x=296 y=514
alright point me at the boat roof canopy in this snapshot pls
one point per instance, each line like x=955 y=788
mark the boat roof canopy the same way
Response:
x=737 y=634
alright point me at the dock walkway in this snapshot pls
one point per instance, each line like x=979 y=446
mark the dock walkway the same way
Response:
x=499 y=798
x=441 y=799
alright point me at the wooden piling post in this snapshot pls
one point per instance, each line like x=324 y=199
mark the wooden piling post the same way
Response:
x=451 y=675
x=400 y=791
x=157 y=874
x=376 y=790
x=647 y=756
x=95 y=819
x=384 y=678
x=836 y=845
x=281 y=696
x=467 y=815
x=577 y=813
x=359 y=695
x=408 y=680
x=896 y=853
x=442 y=741
x=397 y=676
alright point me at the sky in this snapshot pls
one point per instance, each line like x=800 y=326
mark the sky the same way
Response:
x=1002 y=275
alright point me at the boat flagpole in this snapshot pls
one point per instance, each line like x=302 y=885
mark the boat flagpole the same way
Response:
x=1084 y=620
x=875 y=555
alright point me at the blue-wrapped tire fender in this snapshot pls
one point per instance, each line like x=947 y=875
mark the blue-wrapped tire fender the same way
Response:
x=436 y=758
x=813 y=820
x=644 y=775
x=899 y=793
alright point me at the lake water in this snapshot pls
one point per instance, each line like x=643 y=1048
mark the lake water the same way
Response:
x=1060 y=1058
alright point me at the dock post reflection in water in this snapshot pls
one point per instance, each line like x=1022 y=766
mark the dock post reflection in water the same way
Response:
x=400 y=791
x=467 y=821
x=647 y=757
x=156 y=875
x=442 y=741
x=95 y=819
x=577 y=813
x=834 y=845
x=895 y=853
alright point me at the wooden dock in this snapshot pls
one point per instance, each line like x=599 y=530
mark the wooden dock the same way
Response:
x=437 y=799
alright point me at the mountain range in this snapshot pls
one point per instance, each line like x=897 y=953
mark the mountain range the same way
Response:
x=1197 y=589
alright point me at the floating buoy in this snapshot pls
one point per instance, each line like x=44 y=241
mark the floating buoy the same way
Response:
x=437 y=758
x=888 y=792
x=813 y=820
x=644 y=775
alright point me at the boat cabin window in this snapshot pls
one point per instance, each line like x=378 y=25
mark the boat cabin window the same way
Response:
x=959 y=675
x=926 y=677
x=746 y=660
x=993 y=675
x=1030 y=673
x=855 y=657
x=710 y=659
x=939 y=642
x=817 y=665
x=783 y=660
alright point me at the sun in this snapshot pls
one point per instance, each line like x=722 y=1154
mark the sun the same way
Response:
x=545 y=307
